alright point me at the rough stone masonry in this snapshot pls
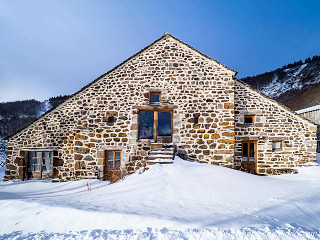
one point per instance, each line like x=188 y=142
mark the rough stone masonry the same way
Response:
x=208 y=106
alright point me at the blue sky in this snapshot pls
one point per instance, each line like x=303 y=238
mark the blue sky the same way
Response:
x=50 y=48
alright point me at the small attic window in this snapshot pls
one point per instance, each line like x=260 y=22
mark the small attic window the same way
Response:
x=196 y=118
x=248 y=119
x=155 y=97
x=111 y=119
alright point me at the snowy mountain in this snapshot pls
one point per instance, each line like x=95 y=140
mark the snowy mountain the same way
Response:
x=183 y=200
x=295 y=85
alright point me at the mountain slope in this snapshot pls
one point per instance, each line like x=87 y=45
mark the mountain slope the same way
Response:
x=16 y=115
x=295 y=85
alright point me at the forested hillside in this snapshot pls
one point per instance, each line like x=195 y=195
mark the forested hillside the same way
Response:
x=16 y=115
x=296 y=85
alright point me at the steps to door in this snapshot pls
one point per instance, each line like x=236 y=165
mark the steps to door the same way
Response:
x=161 y=153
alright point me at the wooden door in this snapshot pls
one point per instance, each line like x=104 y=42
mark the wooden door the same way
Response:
x=249 y=156
x=112 y=170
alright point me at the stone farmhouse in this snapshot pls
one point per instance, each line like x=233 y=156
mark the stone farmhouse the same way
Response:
x=165 y=100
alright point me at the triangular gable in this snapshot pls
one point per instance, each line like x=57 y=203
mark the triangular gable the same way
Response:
x=165 y=35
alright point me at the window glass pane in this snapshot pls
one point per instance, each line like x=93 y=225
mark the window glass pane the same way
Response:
x=110 y=166
x=117 y=156
x=111 y=119
x=146 y=124
x=248 y=119
x=245 y=151
x=37 y=164
x=51 y=162
x=31 y=161
x=276 y=145
x=47 y=162
x=110 y=161
x=117 y=161
x=110 y=156
x=155 y=98
x=251 y=152
x=164 y=123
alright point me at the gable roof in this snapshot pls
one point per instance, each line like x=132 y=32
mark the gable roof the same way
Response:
x=274 y=101
x=165 y=35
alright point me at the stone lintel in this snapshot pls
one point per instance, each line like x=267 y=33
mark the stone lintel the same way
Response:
x=154 y=107
x=253 y=138
x=47 y=149
x=278 y=138
x=250 y=112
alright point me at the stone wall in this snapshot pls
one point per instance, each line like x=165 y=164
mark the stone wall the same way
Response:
x=273 y=122
x=190 y=83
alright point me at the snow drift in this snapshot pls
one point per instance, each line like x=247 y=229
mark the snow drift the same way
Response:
x=185 y=199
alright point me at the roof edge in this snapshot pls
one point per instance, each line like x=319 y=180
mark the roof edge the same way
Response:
x=274 y=101
x=83 y=88
x=309 y=109
x=111 y=70
x=204 y=55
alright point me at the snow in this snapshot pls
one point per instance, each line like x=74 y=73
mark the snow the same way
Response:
x=45 y=106
x=309 y=109
x=2 y=170
x=293 y=80
x=163 y=160
x=185 y=200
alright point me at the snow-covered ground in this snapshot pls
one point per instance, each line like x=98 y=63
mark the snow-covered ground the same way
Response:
x=184 y=200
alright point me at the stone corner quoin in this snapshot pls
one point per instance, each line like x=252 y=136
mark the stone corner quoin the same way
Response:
x=201 y=111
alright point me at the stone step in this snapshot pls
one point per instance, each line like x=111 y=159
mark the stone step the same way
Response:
x=160 y=156
x=162 y=149
x=161 y=152
x=160 y=160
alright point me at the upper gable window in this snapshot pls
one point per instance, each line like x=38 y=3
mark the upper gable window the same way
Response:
x=111 y=119
x=249 y=119
x=155 y=97
x=196 y=118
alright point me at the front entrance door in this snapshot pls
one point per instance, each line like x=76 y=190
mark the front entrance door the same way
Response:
x=156 y=125
x=248 y=161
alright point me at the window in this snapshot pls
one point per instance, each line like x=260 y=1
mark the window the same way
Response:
x=276 y=145
x=111 y=119
x=196 y=118
x=40 y=162
x=248 y=119
x=155 y=97
x=113 y=160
